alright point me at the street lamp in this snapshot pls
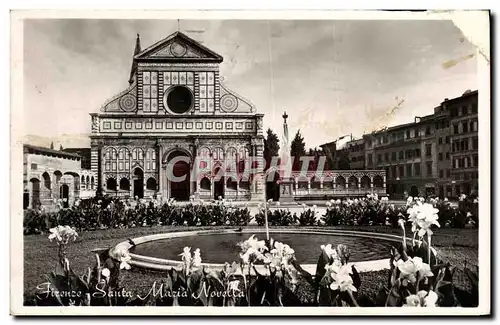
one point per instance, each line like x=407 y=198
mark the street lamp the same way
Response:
x=398 y=184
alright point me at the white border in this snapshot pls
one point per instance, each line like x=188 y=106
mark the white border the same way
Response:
x=477 y=24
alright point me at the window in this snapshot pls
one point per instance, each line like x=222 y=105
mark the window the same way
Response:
x=401 y=155
x=429 y=168
x=379 y=158
x=465 y=127
x=474 y=144
x=474 y=108
x=447 y=139
x=408 y=170
x=417 y=152
x=455 y=128
x=447 y=155
x=401 y=171
x=441 y=173
x=393 y=155
x=34 y=166
x=428 y=150
x=370 y=158
x=453 y=112
x=428 y=131
x=440 y=140
x=474 y=126
x=464 y=110
x=440 y=156
x=386 y=156
x=475 y=160
x=416 y=168
x=393 y=171
x=407 y=134
x=447 y=173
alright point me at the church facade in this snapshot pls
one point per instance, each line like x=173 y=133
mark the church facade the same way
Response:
x=176 y=105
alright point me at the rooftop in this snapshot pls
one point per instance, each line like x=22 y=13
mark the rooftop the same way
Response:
x=50 y=152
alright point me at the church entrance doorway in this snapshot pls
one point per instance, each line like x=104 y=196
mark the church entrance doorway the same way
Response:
x=218 y=185
x=138 y=183
x=180 y=190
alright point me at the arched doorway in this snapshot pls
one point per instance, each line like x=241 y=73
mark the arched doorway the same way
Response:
x=138 y=183
x=414 y=191
x=64 y=194
x=365 y=182
x=218 y=184
x=179 y=190
x=35 y=192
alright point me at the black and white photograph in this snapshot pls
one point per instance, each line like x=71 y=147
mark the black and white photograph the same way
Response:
x=334 y=162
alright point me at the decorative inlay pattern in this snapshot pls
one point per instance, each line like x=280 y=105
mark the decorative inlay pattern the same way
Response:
x=228 y=103
x=178 y=50
x=128 y=103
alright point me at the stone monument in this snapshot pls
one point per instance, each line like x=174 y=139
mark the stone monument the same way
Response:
x=286 y=183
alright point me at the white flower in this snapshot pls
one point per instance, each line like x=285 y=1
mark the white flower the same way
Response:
x=123 y=256
x=186 y=255
x=422 y=217
x=412 y=301
x=280 y=255
x=476 y=201
x=196 y=262
x=329 y=251
x=341 y=276
x=106 y=273
x=278 y=203
x=413 y=268
x=63 y=234
x=431 y=299
x=462 y=197
x=409 y=200
x=252 y=249
x=422 y=299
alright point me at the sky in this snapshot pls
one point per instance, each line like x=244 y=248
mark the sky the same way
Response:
x=331 y=77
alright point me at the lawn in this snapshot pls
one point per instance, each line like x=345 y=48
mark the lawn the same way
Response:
x=458 y=246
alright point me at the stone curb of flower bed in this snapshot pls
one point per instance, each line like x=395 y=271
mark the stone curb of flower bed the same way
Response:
x=159 y=264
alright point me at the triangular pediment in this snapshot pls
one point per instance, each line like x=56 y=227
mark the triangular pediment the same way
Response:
x=178 y=47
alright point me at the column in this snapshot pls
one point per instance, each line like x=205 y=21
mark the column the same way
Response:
x=384 y=186
x=254 y=177
x=158 y=167
x=308 y=186
x=321 y=183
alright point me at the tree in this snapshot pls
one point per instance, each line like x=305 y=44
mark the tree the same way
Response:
x=271 y=149
x=272 y=143
x=343 y=160
x=52 y=145
x=60 y=147
x=297 y=150
x=271 y=146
